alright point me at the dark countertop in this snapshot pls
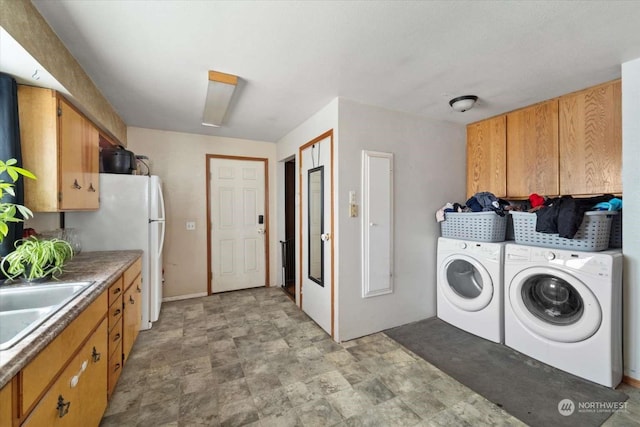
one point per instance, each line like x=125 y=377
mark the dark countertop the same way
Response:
x=103 y=268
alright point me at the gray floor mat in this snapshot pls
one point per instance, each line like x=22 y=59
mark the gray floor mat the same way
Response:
x=527 y=389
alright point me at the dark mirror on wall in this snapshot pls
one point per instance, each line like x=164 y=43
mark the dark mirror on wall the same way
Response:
x=316 y=224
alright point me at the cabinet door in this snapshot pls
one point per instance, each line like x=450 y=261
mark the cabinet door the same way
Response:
x=79 y=396
x=487 y=157
x=132 y=317
x=591 y=141
x=46 y=366
x=37 y=108
x=90 y=166
x=6 y=405
x=532 y=150
x=72 y=131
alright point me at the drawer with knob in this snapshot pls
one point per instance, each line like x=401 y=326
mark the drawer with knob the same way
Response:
x=115 y=291
x=115 y=367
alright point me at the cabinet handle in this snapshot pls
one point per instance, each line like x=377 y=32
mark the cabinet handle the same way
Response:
x=116 y=291
x=95 y=355
x=76 y=186
x=131 y=300
x=91 y=189
x=117 y=366
x=117 y=312
x=62 y=407
x=116 y=338
x=138 y=289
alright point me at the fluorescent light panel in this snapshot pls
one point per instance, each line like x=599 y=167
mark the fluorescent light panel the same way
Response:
x=219 y=93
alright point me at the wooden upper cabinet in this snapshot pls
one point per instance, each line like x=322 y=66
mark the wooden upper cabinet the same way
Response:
x=61 y=147
x=532 y=150
x=71 y=127
x=487 y=157
x=591 y=140
x=91 y=165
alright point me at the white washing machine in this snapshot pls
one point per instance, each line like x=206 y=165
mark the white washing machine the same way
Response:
x=470 y=290
x=564 y=308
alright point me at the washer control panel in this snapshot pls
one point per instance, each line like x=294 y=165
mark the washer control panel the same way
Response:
x=586 y=262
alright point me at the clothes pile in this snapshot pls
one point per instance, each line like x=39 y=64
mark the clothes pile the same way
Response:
x=479 y=202
x=563 y=215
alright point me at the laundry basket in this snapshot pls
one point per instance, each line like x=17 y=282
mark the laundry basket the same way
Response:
x=478 y=226
x=593 y=234
x=615 y=241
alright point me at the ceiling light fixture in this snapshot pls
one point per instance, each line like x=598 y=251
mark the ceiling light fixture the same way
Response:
x=219 y=93
x=463 y=103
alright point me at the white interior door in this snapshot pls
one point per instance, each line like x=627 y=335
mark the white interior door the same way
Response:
x=316 y=280
x=237 y=233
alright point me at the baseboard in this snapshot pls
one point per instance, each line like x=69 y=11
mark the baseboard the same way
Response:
x=631 y=381
x=181 y=297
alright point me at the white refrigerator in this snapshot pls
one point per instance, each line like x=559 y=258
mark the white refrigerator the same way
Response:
x=131 y=216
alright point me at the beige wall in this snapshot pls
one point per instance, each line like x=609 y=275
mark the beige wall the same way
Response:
x=180 y=160
x=25 y=24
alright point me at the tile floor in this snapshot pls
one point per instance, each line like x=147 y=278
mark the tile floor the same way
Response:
x=253 y=358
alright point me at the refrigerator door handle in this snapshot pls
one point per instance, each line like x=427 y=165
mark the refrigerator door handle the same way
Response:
x=161 y=202
x=162 y=231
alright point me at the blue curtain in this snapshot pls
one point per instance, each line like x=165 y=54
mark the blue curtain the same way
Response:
x=10 y=148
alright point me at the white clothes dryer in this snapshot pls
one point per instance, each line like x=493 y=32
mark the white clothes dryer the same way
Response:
x=470 y=288
x=564 y=308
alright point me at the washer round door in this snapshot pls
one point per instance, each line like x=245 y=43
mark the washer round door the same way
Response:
x=554 y=304
x=466 y=283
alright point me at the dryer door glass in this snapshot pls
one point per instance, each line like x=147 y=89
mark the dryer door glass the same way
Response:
x=464 y=279
x=552 y=300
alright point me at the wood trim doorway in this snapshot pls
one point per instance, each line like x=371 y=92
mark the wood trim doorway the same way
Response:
x=327 y=134
x=208 y=157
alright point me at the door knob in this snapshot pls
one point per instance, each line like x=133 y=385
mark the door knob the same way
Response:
x=261 y=231
x=325 y=237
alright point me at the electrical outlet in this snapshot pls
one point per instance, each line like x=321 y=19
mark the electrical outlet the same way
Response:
x=191 y=225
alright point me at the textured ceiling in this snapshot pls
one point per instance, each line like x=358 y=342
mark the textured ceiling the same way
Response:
x=150 y=58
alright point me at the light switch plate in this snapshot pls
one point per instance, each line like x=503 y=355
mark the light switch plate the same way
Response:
x=353 y=210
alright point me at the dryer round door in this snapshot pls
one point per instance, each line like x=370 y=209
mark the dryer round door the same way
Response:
x=554 y=304
x=466 y=283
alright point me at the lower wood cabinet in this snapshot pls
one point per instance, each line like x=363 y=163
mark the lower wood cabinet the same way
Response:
x=47 y=364
x=69 y=382
x=132 y=316
x=116 y=292
x=78 y=397
x=6 y=407
x=125 y=319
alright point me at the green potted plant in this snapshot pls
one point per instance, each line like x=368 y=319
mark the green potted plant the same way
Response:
x=9 y=210
x=36 y=258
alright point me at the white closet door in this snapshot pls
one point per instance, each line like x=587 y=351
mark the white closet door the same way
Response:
x=377 y=223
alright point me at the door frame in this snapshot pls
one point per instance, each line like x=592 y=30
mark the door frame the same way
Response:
x=208 y=158
x=327 y=134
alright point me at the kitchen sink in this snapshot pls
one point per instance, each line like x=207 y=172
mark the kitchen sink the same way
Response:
x=38 y=296
x=24 y=308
